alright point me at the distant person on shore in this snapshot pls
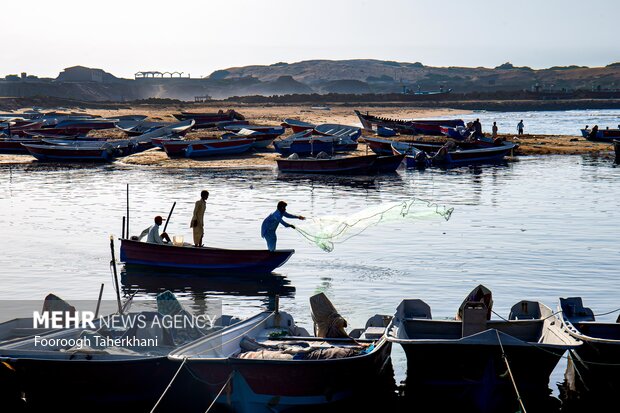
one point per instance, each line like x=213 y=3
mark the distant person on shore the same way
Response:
x=477 y=129
x=197 y=223
x=270 y=224
x=153 y=235
x=494 y=130
x=520 y=127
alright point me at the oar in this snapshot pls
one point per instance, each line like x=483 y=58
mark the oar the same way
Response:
x=169 y=214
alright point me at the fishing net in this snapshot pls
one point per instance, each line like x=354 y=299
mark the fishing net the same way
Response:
x=327 y=230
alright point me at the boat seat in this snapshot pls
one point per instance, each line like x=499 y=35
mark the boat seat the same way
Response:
x=474 y=318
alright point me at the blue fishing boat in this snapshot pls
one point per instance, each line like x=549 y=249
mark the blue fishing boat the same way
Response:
x=304 y=144
x=73 y=153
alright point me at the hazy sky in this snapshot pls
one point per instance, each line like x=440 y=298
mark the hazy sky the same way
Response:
x=42 y=37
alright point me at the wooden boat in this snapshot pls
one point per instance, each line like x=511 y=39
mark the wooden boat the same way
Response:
x=297 y=125
x=209 y=120
x=263 y=135
x=82 y=126
x=408 y=127
x=617 y=149
x=304 y=143
x=335 y=165
x=463 y=358
x=341 y=131
x=447 y=155
x=274 y=365
x=63 y=153
x=458 y=133
x=414 y=158
x=594 y=367
x=602 y=135
x=68 y=376
x=209 y=147
x=13 y=145
x=208 y=260
x=137 y=128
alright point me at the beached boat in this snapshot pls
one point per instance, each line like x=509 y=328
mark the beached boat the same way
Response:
x=121 y=364
x=263 y=135
x=602 y=135
x=306 y=143
x=141 y=127
x=458 y=133
x=466 y=359
x=13 y=145
x=206 y=259
x=73 y=153
x=617 y=149
x=341 y=131
x=209 y=120
x=208 y=147
x=594 y=367
x=274 y=365
x=408 y=127
x=297 y=125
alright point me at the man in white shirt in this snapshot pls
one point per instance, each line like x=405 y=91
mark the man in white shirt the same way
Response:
x=152 y=233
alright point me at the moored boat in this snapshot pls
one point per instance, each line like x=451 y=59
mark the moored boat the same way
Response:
x=119 y=364
x=476 y=362
x=206 y=259
x=593 y=371
x=274 y=365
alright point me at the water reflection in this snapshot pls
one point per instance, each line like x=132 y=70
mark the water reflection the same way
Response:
x=150 y=282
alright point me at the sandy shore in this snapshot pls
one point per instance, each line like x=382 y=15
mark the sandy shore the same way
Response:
x=273 y=115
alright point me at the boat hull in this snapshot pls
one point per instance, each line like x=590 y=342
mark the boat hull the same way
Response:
x=57 y=153
x=208 y=260
x=69 y=385
x=277 y=385
x=219 y=147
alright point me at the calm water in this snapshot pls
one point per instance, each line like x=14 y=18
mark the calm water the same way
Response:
x=538 y=228
x=566 y=122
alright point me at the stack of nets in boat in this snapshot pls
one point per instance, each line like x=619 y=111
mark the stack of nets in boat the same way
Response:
x=327 y=230
x=295 y=350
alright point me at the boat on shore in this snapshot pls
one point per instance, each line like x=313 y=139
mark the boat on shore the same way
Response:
x=263 y=135
x=602 y=135
x=209 y=120
x=341 y=131
x=205 y=259
x=207 y=147
x=72 y=153
x=408 y=127
x=593 y=370
x=617 y=149
x=274 y=365
x=297 y=125
x=474 y=361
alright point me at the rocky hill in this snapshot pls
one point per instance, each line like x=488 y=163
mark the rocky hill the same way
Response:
x=350 y=77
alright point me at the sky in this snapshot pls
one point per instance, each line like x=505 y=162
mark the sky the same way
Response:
x=42 y=37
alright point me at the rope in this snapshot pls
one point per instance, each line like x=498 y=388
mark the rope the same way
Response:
x=607 y=313
x=169 y=384
x=220 y=392
x=514 y=384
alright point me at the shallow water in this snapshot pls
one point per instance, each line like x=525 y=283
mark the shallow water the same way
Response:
x=538 y=228
x=561 y=122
